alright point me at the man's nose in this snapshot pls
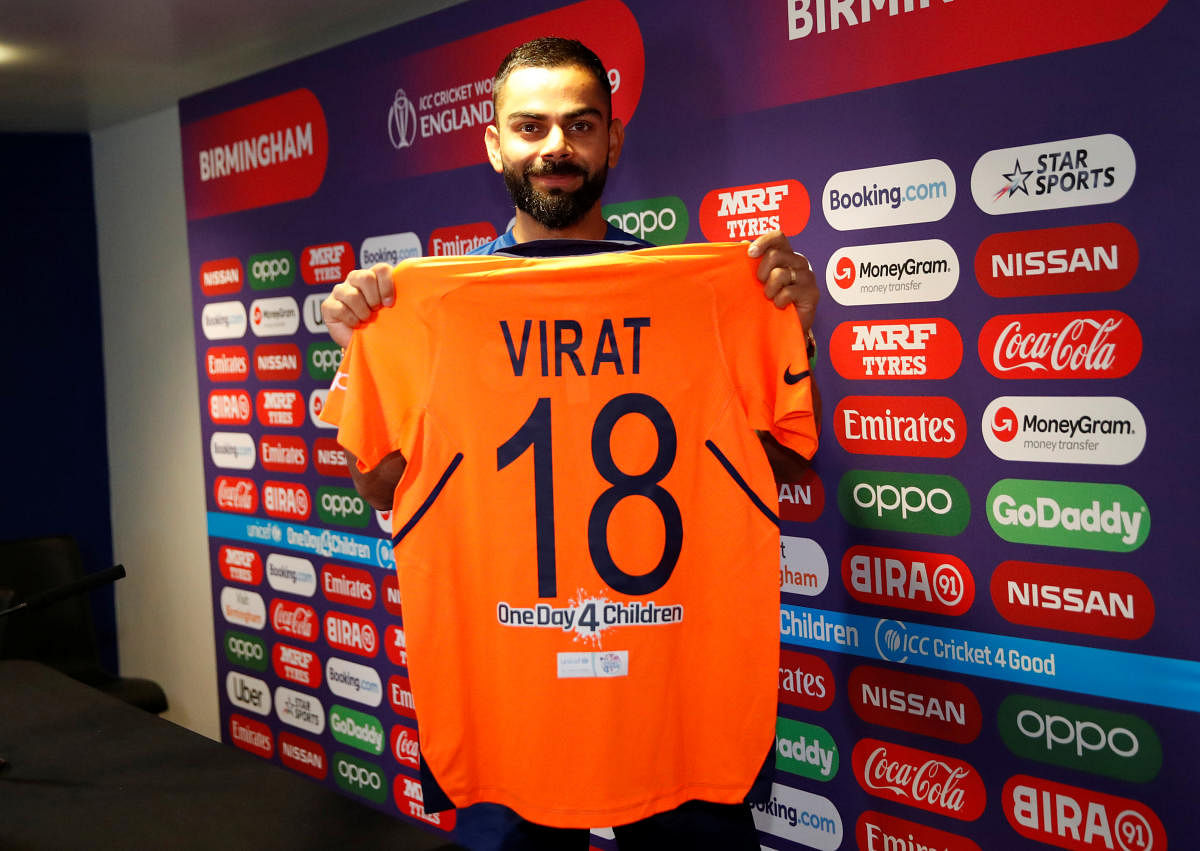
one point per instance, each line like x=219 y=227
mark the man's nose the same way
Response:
x=555 y=144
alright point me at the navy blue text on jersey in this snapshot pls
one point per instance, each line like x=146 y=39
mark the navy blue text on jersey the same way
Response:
x=564 y=340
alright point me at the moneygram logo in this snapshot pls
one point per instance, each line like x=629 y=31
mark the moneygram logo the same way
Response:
x=1075 y=259
x=291 y=575
x=1090 y=344
x=904 y=502
x=459 y=239
x=1094 y=740
x=1053 y=175
x=249 y=693
x=901 y=194
x=908 y=579
x=246 y=650
x=227 y=363
x=243 y=608
x=878 y=832
x=916 y=704
x=296 y=665
x=805 y=681
x=300 y=710
x=928 y=781
x=233 y=493
x=920 y=426
x=802 y=817
x=221 y=277
x=342 y=506
x=744 y=212
x=803 y=568
x=352 y=681
x=223 y=320
x=272 y=270
x=805 y=750
x=283 y=453
x=265 y=153
x=661 y=221
x=300 y=754
x=1082 y=515
x=316 y=404
x=1064 y=429
x=1079 y=819
x=229 y=407
x=356 y=729
x=274 y=317
x=892 y=273
x=232 y=450
x=277 y=361
x=279 y=407
x=1088 y=601
x=896 y=349
x=240 y=565
x=326 y=264
x=359 y=777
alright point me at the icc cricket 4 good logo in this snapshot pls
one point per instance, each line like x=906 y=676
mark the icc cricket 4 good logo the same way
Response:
x=904 y=502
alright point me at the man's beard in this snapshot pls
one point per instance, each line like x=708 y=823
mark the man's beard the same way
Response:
x=558 y=209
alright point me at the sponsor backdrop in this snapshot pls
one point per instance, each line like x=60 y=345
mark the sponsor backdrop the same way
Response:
x=987 y=609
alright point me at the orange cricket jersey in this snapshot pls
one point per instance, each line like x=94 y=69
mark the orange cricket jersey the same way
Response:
x=587 y=554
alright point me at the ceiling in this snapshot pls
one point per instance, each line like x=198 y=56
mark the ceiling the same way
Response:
x=74 y=66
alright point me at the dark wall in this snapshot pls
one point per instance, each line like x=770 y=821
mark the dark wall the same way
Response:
x=56 y=457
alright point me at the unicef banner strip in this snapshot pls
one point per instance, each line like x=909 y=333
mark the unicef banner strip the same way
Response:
x=987 y=618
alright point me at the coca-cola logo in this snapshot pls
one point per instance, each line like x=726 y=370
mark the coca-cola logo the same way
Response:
x=1092 y=344
x=404 y=746
x=917 y=778
x=236 y=494
x=294 y=619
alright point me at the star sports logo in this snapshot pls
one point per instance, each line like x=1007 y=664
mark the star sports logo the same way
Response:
x=1016 y=182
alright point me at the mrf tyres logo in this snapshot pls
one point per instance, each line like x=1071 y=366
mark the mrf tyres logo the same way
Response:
x=896 y=349
x=744 y=212
x=893 y=273
x=904 y=502
x=1064 y=429
x=1053 y=175
x=1082 y=515
x=900 y=194
x=1080 y=738
x=661 y=221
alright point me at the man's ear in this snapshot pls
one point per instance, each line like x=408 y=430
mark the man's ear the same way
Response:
x=491 y=140
x=616 y=138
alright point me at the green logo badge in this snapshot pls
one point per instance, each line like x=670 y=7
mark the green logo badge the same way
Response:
x=322 y=360
x=1079 y=737
x=904 y=502
x=272 y=270
x=806 y=750
x=356 y=729
x=359 y=777
x=246 y=650
x=342 y=506
x=662 y=221
x=1083 y=515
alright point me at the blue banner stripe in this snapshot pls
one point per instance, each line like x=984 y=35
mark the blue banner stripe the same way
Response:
x=1156 y=680
x=326 y=543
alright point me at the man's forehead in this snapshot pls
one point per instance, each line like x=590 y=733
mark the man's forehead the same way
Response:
x=559 y=90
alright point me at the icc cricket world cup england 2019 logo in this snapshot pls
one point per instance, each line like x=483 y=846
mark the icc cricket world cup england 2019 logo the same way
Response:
x=402 y=121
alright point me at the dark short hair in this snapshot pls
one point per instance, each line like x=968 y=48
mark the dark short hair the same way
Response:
x=552 y=52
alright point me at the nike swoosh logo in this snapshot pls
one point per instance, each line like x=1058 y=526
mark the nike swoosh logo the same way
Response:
x=790 y=377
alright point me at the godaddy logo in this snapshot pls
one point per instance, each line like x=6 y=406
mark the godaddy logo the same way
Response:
x=342 y=506
x=245 y=650
x=662 y=221
x=271 y=271
x=1084 y=515
x=1095 y=740
x=323 y=360
x=805 y=749
x=356 y=729
x=359 y=777
x=904 y=502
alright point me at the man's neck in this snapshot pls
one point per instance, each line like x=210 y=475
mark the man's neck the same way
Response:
x=591 y=226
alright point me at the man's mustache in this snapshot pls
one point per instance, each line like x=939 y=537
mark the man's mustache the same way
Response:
x=556 y=167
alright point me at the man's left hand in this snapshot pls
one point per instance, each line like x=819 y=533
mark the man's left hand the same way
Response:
x=786 y=276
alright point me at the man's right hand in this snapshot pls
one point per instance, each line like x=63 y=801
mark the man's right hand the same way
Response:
x=355 y=300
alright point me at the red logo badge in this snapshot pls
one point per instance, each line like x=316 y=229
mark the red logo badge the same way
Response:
x=351 y=634
x=348 y=586
x=236 y=494
x=294 y=619
x=908 y=579
x=1004 y=425
x=914 y=703
x=805 y=681
x=928 y=781
x=251 y=735
x=896 y=349
x=300 y=754
x=400 y=697
x=876 y=830
x=286 y=500
x=280 y=408
x=326 y=264
x=396 y=645
x=283 y=453
x=1085 y=600
x=221 y=277
x=410 y=801
x=745 y=212
x=459 y=239
x=229 y=407
x=1092 y=344
x=240 y=565
x=277 y=362
x=330 y=458
x=1079 y=819
x=802 y=501
x=1075 y=259
x=302 y=667
x=405 y=748
x=227 y=363
x=918 y=426
x=391 y=595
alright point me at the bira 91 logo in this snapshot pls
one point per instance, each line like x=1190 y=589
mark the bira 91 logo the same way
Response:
x=915 y=426
x=227 y=363
x=896 y=349
x=295 y=620
x=1082 y=515
x=410 y=800
x=277 y=362
x=661 y=221
x=802 y=501
x=302 y=755
x=1064 y=429
x=348 y=586
x=1079 y=819
x=1091 y=344
x=805 y=681
x=928 y=781
x=892 y=273
x=359 y=777
x=286 y=500
x=908 y=579
x=330 y=458
x=280 y=408
x=296 y=665
x=273 y=270
x=1075 y=259
x=221 y=277
x=326 y=264
x=239 y=564
x=283 y=453
x=1084 y=600
x=251 y=735
x=351 y=634
x=1081 y=738
x=235 y=494
x=458 y=239
x=904 y=502
x=745 y=212
x=229 y=407
x=916 y=704
x=879 y=832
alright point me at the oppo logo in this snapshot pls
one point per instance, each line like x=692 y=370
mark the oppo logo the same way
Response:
x=906 y=502
x=360 y=778
x=450 y=241
x=243 y=608
x=279 y=408
x=271 y=270
x=227 y=363
x=1064 y=429
x=908 y=579
x=251 y=735
x=661 y=221
x=221 y=277
x=248 y=693
x=223 y=320
x=302 y=755
x=893 y=273
x=1074 y=259
x=1079 y=737
x=744 y=212
x=326 y=264
x=274 y=317
x=323 y=359
x=291 y=574
x=246 y=650
x=1079 y=819
x=352 y=681
x=916 y=704
x=1084 y=600
x=919 y=426
x=896 y=349
x=342 y=506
